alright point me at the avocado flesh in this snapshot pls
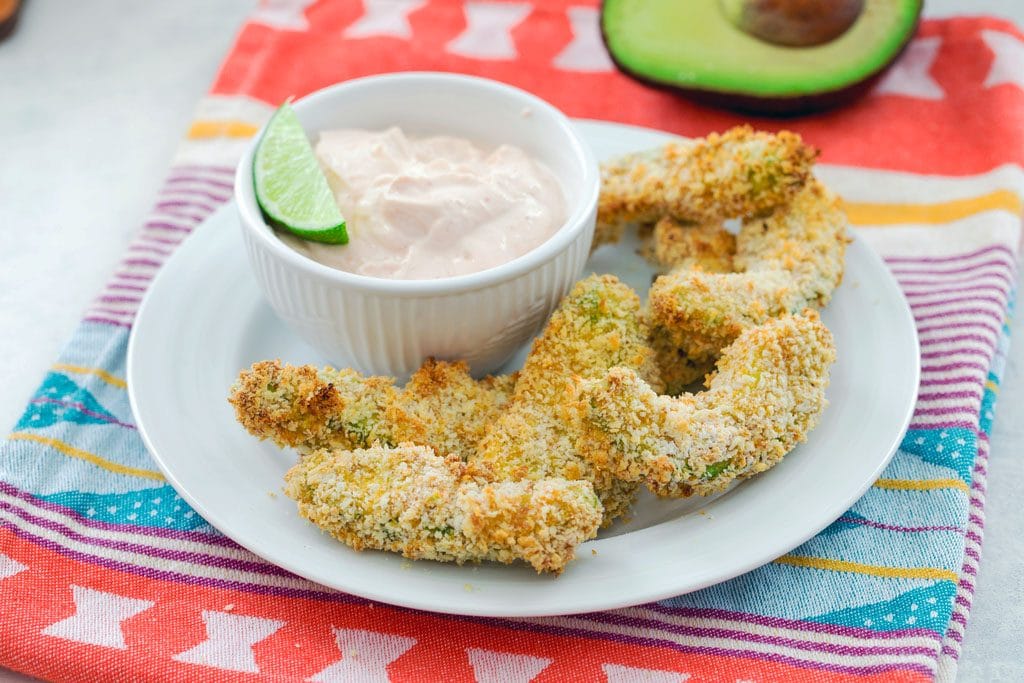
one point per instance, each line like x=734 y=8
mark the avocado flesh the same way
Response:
x=690 y=44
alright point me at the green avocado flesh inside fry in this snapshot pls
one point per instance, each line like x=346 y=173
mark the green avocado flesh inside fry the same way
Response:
x=716 y=468
x=291 y=189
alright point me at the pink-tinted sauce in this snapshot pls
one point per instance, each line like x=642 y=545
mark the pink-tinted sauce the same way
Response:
x=432 y=207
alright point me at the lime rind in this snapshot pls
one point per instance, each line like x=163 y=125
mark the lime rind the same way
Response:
x=291 y=189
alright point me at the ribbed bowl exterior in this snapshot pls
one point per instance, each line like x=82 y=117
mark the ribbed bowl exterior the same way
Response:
x=391 y=334
x=389 y=327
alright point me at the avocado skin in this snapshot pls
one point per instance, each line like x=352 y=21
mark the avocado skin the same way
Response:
x=778 y=107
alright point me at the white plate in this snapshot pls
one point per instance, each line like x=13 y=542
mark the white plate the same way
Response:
x=203 y=320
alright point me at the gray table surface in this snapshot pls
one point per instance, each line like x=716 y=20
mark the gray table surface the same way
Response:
x=95 y=96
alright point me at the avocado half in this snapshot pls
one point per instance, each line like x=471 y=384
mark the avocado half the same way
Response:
x=692 y=47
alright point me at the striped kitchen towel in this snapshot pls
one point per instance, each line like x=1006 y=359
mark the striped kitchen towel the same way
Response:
x=106 y=574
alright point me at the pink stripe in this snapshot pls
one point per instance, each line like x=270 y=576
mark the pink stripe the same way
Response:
x=955 y=635
x=181 y=204
x=133 y=276
x=983 y=353
x=192 y=192
x=964 y=583
x=890 y=527
x=947 y=650
x=960 y=379
x=987 y=341
x=204 y=168
x=962 y=600
x=950 y=259
x=645 y=625
x=782 y=622
x=193 y=536
x=972 y=535
x=119 y=299
x=105 y=321
x=984 y=312
x=142 y=262
x=146 y=237
x=129 y=288
x=999 y=263
x=943 y=425
x=82 y=409
x=189 y=179
x=975 y=519
x=943 y=411
x=965 y=325
x=179 y=215
x=163 y=225
x=147 y=248
x=960 y=619
x=943 y=395
x=202 y=559
x=115 y=311
x=961 y=365
x=936 y=291
x=1001 y=303
x=971 y=552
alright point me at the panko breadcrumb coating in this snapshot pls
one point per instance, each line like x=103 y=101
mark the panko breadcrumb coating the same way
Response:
x=306 y=408
x=738 y=174
x=709 y=247
x=767 y=395
x=786 y=262
x=596 y=327
x=408 y=499
x=454 y=409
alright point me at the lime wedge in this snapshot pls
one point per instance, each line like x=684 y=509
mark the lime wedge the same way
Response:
x=290 y=187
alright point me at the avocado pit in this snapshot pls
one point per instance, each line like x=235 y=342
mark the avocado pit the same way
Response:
x=797 y=23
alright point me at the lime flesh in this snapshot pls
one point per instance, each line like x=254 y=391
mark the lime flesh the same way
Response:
x=290 y=188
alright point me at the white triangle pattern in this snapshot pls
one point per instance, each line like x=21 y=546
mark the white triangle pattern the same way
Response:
x=505 y=667
x=384 y=18
x=488 y=33
x=365 y=656
x=1008 y=66
x=229 y=641
x=586 y=51
x=910 y=75
x=9 y=567
x=97 y=618
x=617 y=673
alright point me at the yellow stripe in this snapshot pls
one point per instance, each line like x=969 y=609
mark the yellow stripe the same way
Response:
x=221 y=129
x=992 y=386
x=99 y=372
x=870 y=569
x=921 y=484
x=71 y=451
x=865 y=214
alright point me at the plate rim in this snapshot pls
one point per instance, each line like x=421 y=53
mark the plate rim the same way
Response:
x=599 y=602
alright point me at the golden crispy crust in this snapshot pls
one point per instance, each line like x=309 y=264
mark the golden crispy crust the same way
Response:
x=738 y=174
x=785 y=262
x=306 y=408
x=409 y=500
x=454 y=409
x=597 y=326
x=767 y=395
x=708 y=247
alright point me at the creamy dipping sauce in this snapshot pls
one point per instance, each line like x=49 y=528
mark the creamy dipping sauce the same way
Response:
x=433 y=207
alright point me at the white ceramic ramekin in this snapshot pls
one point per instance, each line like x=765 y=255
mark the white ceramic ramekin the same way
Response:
x=389 y=327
